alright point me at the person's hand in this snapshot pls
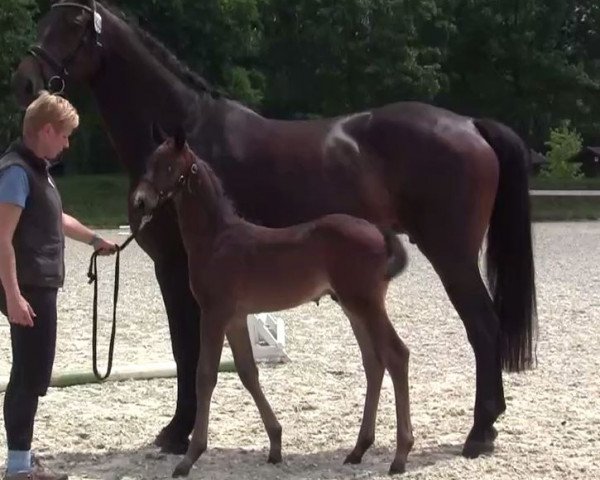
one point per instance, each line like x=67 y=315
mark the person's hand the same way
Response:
x=105 y=247
x=19 y=311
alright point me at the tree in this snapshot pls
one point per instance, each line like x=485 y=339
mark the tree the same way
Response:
x=563 y=145
x=13 y=43
x=219 y=39
x=326 y=58
x=523 y=62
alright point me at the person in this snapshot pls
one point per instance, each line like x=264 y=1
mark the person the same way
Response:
x=32 y=240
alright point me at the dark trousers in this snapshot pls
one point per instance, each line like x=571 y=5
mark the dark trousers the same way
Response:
x=33 y=351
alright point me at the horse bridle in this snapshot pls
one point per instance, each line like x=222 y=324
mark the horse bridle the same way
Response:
x=181 y=181
x=61 y=68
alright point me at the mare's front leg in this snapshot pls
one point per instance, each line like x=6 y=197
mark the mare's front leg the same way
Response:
x=184 y=328
x=239 y=341
x=212 y=335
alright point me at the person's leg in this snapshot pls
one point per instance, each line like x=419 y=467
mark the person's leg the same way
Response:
x=32 y=360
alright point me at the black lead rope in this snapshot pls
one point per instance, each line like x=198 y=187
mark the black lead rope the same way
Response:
x=93 y=278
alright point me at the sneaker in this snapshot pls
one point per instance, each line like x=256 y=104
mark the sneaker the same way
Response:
x=36 y=474
x=36 y=462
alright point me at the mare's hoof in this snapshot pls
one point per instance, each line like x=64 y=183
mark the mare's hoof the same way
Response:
x=171 y=443
x=274 y=458
x=182 y=469
x=474 y=448
x=397 y=468
x=353 y=459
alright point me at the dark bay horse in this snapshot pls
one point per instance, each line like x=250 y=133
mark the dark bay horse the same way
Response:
x=238 y=268
x=441 y=178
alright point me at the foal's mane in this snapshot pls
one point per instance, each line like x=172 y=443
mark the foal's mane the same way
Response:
x=159 y=51
x=215 y=200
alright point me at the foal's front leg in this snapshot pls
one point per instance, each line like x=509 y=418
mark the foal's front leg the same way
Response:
x=239 y=341
x=212 y=335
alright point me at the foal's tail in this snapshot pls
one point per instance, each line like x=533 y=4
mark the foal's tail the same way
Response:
x=510 y=270
x=397 y=258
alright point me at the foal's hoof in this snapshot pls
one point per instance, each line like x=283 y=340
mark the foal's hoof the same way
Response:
x=171 y=443
x=182 y=469
x=397 y=468
x=473 y=448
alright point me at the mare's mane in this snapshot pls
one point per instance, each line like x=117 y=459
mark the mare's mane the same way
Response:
x=161 y=53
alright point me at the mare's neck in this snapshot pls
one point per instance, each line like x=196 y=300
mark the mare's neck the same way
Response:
x=135 y=90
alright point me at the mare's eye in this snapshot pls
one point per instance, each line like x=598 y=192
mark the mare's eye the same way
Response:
x=169 y=169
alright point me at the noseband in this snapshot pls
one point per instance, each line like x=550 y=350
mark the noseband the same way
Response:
x=61 y=69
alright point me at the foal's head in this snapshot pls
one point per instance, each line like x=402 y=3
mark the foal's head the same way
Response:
x=167 y=169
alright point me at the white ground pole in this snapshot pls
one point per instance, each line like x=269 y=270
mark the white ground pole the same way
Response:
x=267 y=335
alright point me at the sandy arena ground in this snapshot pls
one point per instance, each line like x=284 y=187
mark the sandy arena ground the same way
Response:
x=550 y=430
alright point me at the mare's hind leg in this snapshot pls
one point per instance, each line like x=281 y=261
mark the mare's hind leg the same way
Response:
x=239 y=341
x=464 y=285
x=393 y=353
x=374 y=371
x=184 y=324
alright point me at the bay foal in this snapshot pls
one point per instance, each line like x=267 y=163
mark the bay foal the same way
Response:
x=238 y=268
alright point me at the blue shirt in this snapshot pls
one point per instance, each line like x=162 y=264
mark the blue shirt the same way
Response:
x=14 y=186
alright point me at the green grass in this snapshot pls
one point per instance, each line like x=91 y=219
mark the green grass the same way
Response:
x=565 y=208
x=537 y=183
x=99 y=201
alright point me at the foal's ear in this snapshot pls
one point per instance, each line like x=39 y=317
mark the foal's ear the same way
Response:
x=158 y=134
x=179 y=138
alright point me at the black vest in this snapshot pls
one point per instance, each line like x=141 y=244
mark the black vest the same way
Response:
x=39 y=240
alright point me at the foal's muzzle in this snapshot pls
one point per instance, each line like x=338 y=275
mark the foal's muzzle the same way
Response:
x=144 y=200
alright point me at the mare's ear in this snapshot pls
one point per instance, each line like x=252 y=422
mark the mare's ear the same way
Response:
x=179 y=138
x=158 y=134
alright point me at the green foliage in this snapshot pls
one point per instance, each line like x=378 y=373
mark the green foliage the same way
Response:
x=245 y=84
x=528 y=63
x=13 y=42
x=328 y=58
x=219 y=39
x=563 y=145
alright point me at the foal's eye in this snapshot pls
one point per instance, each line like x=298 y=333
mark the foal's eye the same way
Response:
x=80 y=20
x=169 y=169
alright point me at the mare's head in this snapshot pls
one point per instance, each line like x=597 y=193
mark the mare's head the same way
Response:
x=167 y=169
x=68 y=49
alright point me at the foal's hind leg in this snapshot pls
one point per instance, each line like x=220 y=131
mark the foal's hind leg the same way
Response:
x=239 y=341
x=393 y=353
x=374 y=371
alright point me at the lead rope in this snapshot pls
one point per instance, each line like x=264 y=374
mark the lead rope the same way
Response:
x=93 y=278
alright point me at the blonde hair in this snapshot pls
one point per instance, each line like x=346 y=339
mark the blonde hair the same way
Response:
x=52 y=109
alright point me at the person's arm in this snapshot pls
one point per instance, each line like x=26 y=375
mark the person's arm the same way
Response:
x=19 y=311
x=74 y=229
